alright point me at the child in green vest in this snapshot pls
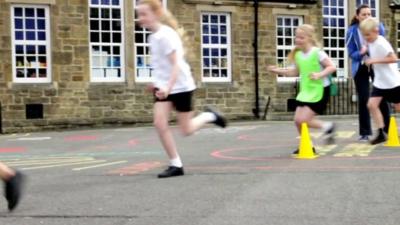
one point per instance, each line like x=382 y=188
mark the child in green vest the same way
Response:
x=314 y=67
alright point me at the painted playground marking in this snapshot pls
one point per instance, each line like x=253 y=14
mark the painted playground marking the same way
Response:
x=356 y=149
x=136 y=168
x=52 y=162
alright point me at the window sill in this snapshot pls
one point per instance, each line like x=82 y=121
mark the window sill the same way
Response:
x=40 y=2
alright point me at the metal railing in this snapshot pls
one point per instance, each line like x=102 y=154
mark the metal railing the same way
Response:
x=345 y=102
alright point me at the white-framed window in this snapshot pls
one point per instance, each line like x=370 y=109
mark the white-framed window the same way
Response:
x=106 y=41
x=216 y=47
x=143 y=68
x=285 y=40
x=334 y=33
x=374 y=4
x=31 y=57
x=398 y=42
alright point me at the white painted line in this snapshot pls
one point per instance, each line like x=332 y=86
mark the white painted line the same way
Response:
x=100 y=165
x=33 y=139
x=65 y=164
x=47 y=162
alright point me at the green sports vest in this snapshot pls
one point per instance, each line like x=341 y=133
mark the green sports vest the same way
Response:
x=310 y=90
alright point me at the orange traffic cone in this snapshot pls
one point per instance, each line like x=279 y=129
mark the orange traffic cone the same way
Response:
x=306 y=146
x=393 y=136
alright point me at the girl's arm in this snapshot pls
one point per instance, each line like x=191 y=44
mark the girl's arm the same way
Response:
x=353 y=51
x=391 y=58
x=290 y=72
x=329 y=69
x=163 y=93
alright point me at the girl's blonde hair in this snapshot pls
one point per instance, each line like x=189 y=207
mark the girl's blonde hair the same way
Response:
x=310 y=32
x=166 y=18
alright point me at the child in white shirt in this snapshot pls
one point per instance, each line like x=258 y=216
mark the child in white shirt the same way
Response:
x=386 y=84
x=173 y=82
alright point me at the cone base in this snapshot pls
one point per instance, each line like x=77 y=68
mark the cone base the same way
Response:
x=392 y=145
x=307 y=157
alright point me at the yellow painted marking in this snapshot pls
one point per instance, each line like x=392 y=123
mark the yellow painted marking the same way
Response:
x=64 y=164
x=345 y=134
x=339 y=134
x=356 y=149
x=324 y=149
x=99 y=165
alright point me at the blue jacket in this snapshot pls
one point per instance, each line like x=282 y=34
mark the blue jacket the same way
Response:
x=354 y=46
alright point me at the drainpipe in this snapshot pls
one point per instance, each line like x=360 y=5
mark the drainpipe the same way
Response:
x=256 y=110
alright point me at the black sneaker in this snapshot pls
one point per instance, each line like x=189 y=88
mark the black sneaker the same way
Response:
x=13 y=190
x=172 y=171
x=296 y=152
x=329 y=135
x=221 y=120
x=381 y=137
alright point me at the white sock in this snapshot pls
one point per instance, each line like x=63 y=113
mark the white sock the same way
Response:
x=176 y=162
x=206 y=117
x=327 y=126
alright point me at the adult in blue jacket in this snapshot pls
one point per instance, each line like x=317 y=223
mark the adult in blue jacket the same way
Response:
x=358 y=51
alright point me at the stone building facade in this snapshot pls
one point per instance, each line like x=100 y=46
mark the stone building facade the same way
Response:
x=69 y=63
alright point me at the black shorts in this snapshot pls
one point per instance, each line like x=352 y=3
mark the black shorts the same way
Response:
x=182 y=102
x=391 y=95
x=318 y=107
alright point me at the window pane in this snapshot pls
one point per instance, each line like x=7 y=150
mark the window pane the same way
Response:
x=18 y=24
x=106 y=37
x=30 y=24
x=19 y=49
x=42 y=73
x=31 y=49
x=116 y=38
x=105 y=25
x=29 y=12
x=30 y=35
x=18 y=12
x=40 y=13
x=105 y=2
x=41 y=24
x=116 y=25
x=41 y=36
x=20 y=73
x=94 y=37
x=116 y=13
x=105 y=13
x=94 y=13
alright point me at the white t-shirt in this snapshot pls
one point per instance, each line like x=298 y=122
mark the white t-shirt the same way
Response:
x=162 y=43
x=322 y=56
x=386 y=75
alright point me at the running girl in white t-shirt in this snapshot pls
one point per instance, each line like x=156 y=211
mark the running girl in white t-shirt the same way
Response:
x=173 y=82
x=386 y=84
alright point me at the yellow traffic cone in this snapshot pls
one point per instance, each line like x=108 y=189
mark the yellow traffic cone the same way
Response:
x=393 y=136
x=306 y=146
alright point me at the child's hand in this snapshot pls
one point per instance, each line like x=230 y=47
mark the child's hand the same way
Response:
x=315 y=76
x=273 y=69
x=363 y=50
x=369 y=62
x=162 y=93
x=150 y=88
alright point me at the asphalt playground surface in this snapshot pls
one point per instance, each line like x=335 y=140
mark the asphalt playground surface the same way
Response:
x=244 y=174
